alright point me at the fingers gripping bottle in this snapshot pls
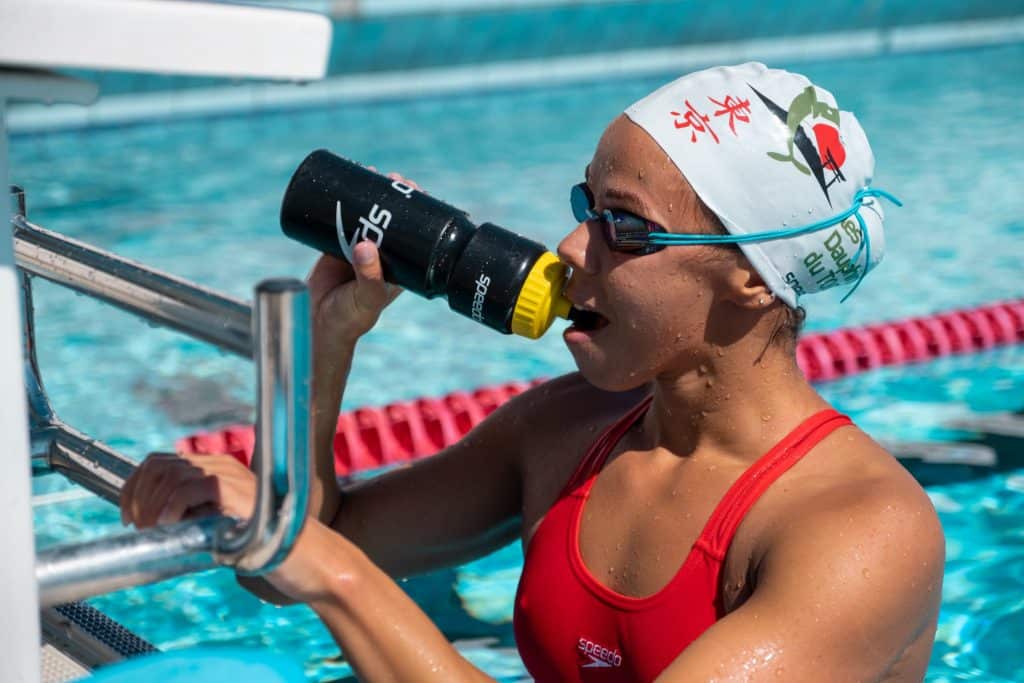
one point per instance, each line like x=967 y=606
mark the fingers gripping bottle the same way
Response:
x=488 y=273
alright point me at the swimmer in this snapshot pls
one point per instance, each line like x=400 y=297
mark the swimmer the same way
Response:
x=691 y=508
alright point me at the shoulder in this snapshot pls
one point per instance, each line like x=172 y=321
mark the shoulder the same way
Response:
x=559 y=408
x=855 y=493
x=848 y=583
x=862 y=534
x=548 y=429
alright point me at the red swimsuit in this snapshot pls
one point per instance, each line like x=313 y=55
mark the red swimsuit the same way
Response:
x=570 y=627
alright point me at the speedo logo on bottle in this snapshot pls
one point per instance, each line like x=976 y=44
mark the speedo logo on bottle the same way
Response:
x=370 y=227
x=483 y=283
x=598 y=656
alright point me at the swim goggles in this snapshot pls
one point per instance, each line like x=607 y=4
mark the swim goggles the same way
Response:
x=631 y=234
x=623 y=231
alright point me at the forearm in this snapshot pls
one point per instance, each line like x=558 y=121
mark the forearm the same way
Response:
x=381 y=631
x=331 y=366
x=330 y=372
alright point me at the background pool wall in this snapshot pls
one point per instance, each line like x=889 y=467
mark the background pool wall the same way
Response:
x=442 y=44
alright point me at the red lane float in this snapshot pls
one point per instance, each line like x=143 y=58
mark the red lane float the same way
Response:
x=369 y=437
x=831 y=355
x=400 y=432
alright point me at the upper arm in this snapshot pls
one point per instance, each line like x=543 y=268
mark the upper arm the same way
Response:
x=841 y=595
x=450 y=507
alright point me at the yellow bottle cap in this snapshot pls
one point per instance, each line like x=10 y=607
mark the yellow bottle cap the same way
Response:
x=541 y=300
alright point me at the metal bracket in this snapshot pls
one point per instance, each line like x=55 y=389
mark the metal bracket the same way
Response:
x=278 y=339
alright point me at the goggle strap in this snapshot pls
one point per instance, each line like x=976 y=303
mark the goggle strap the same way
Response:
x=859 y=200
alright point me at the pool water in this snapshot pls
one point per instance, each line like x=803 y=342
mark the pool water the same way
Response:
x=200 y=199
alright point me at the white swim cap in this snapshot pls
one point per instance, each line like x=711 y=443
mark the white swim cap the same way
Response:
x=766 y=150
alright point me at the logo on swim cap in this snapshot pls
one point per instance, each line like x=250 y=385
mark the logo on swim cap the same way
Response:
x=826 y=153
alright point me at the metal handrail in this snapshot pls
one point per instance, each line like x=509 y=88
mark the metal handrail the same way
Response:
x=284 y=366
x=156 y=296
x=282 y=353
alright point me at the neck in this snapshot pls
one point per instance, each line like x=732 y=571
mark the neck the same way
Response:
x=737 y=401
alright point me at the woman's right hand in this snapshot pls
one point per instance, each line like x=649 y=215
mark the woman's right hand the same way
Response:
x=347 y=299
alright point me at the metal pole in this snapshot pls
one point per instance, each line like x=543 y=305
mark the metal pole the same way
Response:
x=151 y=294
x=74 y=572
x=282 y=456
x=89 y=463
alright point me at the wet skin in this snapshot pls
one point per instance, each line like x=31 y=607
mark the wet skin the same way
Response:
x=835 y=573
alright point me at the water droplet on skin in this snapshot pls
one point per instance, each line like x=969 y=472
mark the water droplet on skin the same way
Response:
x=766 y=418
x=703 y=369
x=710 y=383
x=640 y=174
x=670 y=207
x=865 y=573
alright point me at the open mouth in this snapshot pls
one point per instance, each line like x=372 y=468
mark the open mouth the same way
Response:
x=587 y=321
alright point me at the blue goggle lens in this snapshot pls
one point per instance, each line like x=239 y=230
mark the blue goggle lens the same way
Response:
x=581 y=202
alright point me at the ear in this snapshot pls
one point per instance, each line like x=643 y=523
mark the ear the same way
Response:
x=745 y=287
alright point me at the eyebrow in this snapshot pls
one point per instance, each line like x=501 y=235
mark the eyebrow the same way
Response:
x=615 y=193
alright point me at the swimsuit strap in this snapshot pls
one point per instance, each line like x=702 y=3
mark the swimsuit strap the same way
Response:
x=593 y=461
x=745 y=491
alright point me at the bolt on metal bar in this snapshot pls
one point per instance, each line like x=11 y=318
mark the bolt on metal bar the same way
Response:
x=90 y=463
x=18 y=200
x=156 y=296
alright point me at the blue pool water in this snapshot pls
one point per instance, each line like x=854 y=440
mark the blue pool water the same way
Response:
x=200 y=199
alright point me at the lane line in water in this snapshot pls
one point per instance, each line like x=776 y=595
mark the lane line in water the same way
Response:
x=238 y=99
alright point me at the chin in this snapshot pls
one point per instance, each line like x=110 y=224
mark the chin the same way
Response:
x=606 y=369
x=607 y=378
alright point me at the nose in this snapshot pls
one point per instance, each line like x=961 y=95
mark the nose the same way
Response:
x=575 y=249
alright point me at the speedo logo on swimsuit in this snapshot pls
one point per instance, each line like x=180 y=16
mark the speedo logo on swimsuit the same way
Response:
x=598 y=657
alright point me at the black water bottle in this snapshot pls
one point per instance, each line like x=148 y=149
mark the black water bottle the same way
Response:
x=488 y=273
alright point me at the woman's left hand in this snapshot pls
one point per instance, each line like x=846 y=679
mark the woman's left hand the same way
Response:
x=168 y=488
